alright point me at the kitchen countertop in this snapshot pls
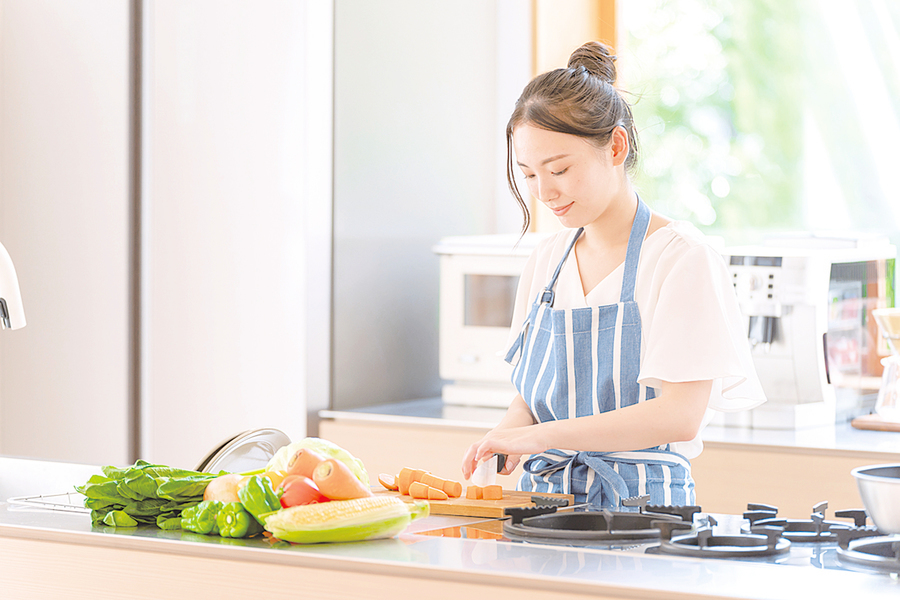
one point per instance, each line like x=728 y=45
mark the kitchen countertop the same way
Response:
x=840 y=438
x=507 y=566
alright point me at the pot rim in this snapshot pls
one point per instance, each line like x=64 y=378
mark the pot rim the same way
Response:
x=859 y=473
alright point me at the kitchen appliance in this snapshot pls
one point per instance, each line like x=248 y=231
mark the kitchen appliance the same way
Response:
x=478 y=280
x=887 y=406
x=12 y=313
x=807 y=300
x=757 y=535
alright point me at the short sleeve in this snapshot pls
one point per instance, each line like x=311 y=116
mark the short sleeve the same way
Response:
x=696 y=333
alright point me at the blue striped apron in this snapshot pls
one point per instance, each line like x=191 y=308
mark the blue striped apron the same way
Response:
x=584 y=361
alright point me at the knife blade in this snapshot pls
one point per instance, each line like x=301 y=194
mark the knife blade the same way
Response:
x=486 y=472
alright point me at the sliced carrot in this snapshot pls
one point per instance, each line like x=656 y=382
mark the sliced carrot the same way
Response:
x=417 y=489
x=474 y=492
x=388 y=481
x=452 y=488
x=436 y=494
x=492 y=492
x=404 y=479
x=431 y=480
x=408 y=476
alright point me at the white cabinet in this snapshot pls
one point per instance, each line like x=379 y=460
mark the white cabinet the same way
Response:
x=162 y=322
x=64 y=217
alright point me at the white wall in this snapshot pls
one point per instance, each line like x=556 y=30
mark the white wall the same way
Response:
x=64 y=219
x=423 y=91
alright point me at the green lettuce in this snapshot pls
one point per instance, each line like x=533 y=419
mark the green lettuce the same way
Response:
x=279 y=462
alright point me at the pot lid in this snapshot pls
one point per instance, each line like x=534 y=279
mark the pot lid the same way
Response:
x=248 y=451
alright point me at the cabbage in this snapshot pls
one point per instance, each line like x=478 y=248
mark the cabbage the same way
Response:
x=279 y=462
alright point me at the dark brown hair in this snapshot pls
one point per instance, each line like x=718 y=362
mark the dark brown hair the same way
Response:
x=581 y=100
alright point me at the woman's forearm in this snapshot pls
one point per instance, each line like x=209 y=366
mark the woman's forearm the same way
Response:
x=517 y=415
x=674 y=416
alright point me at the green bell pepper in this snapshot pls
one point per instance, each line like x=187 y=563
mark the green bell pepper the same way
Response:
x=258 y=497
x=202 y=517
x=235 y=522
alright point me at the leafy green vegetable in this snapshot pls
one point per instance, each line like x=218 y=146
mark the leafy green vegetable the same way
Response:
x=258 y=497
x=282 y=457
x=118 y=518
x=143 y=493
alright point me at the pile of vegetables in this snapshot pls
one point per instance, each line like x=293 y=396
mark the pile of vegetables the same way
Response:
x=310 y=491
x=143 y=493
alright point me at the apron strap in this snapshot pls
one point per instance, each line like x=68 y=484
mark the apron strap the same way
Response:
x=547 y=294
x=633 y=254
x=552 y=461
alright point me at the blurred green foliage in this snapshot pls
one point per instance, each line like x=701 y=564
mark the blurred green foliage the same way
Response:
x=751 y=117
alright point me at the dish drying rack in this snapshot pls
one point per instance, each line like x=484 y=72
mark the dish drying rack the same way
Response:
x=63 y=502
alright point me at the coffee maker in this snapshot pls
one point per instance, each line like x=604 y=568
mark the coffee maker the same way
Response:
x=807 y=301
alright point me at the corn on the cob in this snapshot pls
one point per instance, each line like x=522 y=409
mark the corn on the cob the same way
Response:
x=344 y=520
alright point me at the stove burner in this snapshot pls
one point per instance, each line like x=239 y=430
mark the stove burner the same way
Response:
x=589 y=526
x=761 y=541
x=543 y=523
x=881 y=552
x=814 y=529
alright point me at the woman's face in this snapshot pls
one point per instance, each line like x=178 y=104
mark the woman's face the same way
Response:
x=572 y=177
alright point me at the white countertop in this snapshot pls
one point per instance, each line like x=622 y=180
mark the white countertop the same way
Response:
x=498 y=563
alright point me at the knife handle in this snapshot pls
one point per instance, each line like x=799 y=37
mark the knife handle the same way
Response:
x=501 y=461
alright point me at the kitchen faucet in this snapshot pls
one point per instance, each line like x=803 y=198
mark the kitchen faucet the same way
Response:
x=12 y=314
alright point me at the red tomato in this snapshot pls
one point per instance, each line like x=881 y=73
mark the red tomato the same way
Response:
x=297 y=490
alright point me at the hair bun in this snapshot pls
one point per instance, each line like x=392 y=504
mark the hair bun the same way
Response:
x=597 y=58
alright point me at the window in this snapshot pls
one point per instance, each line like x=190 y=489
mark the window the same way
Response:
x=760 y=115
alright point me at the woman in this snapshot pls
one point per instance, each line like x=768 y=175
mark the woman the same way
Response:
x=626 y=331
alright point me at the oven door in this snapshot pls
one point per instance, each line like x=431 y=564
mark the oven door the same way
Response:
x=477 y=296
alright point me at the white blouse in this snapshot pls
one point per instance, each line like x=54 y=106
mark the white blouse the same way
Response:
x=691 y=326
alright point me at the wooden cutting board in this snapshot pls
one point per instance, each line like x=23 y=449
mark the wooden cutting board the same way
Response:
x=874 y=422
x=464 y=507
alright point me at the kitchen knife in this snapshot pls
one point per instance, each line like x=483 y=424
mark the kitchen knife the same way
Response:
x=486 y=473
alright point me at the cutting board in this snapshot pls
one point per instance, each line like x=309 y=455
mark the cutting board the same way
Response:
x=464 y=507
x=874 y=422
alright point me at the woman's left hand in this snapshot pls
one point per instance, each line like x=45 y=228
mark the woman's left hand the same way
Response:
x=512 y=441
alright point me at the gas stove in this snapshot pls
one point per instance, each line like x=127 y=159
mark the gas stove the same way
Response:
x=758 y=534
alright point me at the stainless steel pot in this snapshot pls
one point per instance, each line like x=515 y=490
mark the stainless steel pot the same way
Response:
x=879 y=487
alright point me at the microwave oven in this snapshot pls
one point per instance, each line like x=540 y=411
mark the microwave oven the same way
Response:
x=478 y=279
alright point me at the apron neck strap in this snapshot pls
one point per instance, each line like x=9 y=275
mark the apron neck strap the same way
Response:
x=547 y=294
x=633 y=254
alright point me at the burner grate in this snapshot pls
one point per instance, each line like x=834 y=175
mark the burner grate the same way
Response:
x=816 y=529
x=761 y=541
x=880 y=552
x=597 y=526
